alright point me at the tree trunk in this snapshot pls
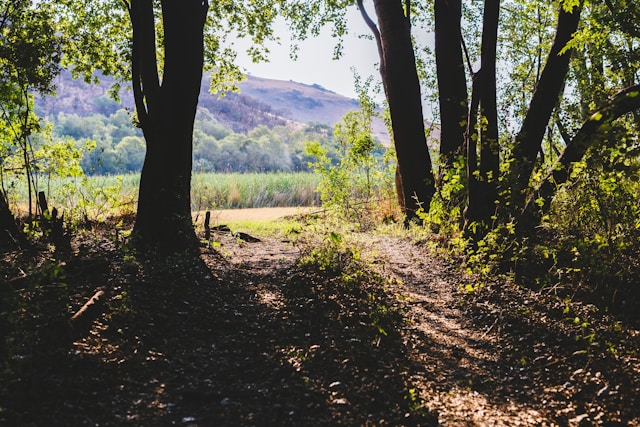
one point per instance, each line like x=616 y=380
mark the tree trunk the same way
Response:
x=482 y=177
x=452 y=86
x=9 y=233
x=166 y=112
x=528 y=142
x=402 y=89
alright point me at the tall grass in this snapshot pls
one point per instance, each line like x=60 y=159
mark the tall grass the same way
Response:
x=101 y=195
x=253 y=190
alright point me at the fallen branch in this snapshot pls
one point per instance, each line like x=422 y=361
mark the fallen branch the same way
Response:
x=81 y=322
x=224 y=229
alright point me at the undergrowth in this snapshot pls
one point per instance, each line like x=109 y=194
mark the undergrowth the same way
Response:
x=332 y=247
x=586 y=246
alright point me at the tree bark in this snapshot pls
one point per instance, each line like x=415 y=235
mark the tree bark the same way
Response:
x=452 y=85
x=528 y=142
x=9 y=233
x=482 y=176
x=166 y=112
x=402 y=90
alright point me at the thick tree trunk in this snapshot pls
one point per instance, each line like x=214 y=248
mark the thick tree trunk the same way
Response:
x=402 y=89
x=529 y=140
x=452 y=85
x=482 y=176
x=166 y=113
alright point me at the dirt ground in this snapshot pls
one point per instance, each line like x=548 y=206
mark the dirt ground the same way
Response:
x=248 y=335
x=225 y=216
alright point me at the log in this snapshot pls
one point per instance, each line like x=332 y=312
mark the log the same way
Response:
x=81 y=322
x=245 y=237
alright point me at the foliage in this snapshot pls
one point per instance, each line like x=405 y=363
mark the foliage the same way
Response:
x=341 y=258
x=120 y=148
x=98 y=196
x=587 y=243
x=361 y=182
x=29 y=61
x=445 y=214
x=594 y=230
x=253 y=190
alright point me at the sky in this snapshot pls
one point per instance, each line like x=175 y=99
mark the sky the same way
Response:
x=314 y=64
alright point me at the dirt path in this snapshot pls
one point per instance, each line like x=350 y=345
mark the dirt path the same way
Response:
x=504 y=356
x=225 y=216
x=247 y=336
x=454 y=352
x=507 y=356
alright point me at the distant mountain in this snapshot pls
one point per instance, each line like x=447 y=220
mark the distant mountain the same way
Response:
x=260 y=102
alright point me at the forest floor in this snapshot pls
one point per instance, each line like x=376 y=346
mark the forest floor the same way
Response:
x=249 y=334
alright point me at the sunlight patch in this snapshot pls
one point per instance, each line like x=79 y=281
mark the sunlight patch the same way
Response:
x=269 y=297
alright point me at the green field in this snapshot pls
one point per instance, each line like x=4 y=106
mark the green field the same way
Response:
x=98 y=195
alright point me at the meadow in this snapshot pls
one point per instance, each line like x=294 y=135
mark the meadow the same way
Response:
x=98 y=196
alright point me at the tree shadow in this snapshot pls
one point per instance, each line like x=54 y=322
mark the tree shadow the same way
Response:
x=203 y=341
x=208 y=341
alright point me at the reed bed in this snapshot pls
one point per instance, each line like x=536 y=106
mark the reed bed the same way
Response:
x=97 y=196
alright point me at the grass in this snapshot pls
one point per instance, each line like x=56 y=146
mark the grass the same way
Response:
x=253 y=190
x=95 y=195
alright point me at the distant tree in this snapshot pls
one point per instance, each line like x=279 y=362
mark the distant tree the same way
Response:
x=131 y=151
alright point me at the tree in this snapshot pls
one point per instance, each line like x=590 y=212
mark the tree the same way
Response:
x=414 y=176
x=162 y=48
x=482 y=130
x=528 y=141
x=29 y=61
x=166 y=113
x=452 y=86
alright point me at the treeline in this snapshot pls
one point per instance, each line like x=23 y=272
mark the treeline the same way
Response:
x=116 y=146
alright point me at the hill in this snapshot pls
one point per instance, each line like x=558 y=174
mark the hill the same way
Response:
x=297 y=101
x=260 y=102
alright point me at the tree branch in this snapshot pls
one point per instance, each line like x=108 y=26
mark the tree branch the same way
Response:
x=545 y=98
x=5 y=15
x=144 y=68
x=622 y=103
x=563 y=131
x=627 y=22
x=466 y=55
x=376 y=34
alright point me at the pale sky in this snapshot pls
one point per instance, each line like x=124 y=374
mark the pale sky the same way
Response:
x=314 y=63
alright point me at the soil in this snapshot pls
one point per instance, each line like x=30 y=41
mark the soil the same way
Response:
x=249 y=334
x=224 y=216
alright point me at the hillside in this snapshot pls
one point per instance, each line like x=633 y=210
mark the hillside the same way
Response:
x=299 y=102
x=260 y=102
